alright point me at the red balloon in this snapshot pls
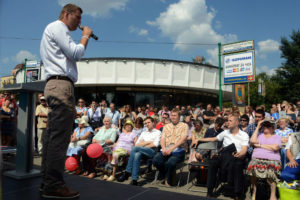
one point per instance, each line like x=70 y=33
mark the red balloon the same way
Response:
x=94 y=150
x=71 y=163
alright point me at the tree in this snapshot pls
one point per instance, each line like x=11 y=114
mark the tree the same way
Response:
x=288 y=75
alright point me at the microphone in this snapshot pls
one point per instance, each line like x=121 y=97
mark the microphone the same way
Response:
x=93 y=36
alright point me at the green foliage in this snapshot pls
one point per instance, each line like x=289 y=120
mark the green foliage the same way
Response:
x=285 y=83
x=288 y=75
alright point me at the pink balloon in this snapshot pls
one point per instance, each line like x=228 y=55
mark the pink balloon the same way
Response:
x=71 y=163
x=94 y=150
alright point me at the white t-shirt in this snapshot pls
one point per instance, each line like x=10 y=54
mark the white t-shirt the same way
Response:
x=239 y=140
x=288 y=146
x=154 y=136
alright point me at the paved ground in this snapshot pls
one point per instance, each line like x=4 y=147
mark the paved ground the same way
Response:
x=147 y=182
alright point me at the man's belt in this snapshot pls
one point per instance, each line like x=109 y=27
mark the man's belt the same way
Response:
x=60 y=78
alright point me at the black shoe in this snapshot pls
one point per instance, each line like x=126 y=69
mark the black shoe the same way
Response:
x=41 y=189
x=61 y=193
x=148 y=170
x=134 y=182
x=124 y=177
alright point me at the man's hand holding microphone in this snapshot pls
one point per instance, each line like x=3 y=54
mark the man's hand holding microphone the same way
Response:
x=86 y=34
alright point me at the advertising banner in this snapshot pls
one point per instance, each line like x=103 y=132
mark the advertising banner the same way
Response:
x=239 y=94
x=239 y=67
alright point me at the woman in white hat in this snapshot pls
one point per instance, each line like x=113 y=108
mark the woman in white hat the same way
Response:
x=81 y=136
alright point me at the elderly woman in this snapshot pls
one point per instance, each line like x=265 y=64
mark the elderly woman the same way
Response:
x=80 y=137
x=123 y=146
x=106 y=136
x=265 y=162
x=284 y=132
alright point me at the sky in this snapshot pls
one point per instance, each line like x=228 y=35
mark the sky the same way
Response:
x=164 y=29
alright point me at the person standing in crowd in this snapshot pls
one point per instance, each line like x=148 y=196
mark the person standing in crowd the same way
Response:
x=7 y=116
x=81 y=110
x=231 y=160
x=144 y=148
x=249 y=112
x=265 y=162
x=127 y=113
x=172 y=143
x=208 y=115
x=59 y=54
x=41 y=112
x=104 y=108
x=143 y=113
x=114 y=115
x=94 y=115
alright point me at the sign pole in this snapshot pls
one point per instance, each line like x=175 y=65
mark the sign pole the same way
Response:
x=220 y=77
x=25 y=71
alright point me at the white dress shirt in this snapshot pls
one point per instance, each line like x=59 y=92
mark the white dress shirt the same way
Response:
x=59 y=52
x=147 y=136
x=241 y=139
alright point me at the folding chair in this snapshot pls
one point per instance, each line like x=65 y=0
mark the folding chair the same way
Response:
x=201 y=166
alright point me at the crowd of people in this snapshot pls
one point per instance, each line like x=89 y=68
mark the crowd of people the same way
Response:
x=264 y=143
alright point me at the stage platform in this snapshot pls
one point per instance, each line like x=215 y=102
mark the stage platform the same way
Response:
x=90 y=189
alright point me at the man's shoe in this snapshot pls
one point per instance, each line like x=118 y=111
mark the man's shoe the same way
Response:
x=61 y=193
x=41 y=189
x=124 y=177
x=134 y=182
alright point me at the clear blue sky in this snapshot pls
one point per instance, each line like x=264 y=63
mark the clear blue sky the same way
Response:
x=121 y=23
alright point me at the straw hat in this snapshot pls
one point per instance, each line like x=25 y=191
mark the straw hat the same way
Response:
x=83 y=120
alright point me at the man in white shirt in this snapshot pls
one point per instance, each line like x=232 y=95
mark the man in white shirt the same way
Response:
x=144 y=148
x=114 y=115
x=59 y=54
x=231 y=159
x=291 y=171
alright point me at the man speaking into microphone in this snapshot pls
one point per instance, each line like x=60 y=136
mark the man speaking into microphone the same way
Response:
x=59 y=54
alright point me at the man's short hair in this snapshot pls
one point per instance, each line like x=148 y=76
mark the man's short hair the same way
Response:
x=70 y=8
x=166 y=114
x=261 y=112
x=219 y=121
x=175 y=110
x=151 y=119
x=246 y=117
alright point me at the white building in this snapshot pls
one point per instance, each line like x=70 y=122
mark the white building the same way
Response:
x=138 y=81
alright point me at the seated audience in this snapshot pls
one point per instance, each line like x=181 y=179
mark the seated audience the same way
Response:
x=79 y=138
x=144 y=148
x=292 y=170
x=231 y=160
x=106 y=136
x=284 y=132
x=138 y=126
x=265 y=162
x=244 y=122
x=172 y=143
x=161 y=124
x=123 y=146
